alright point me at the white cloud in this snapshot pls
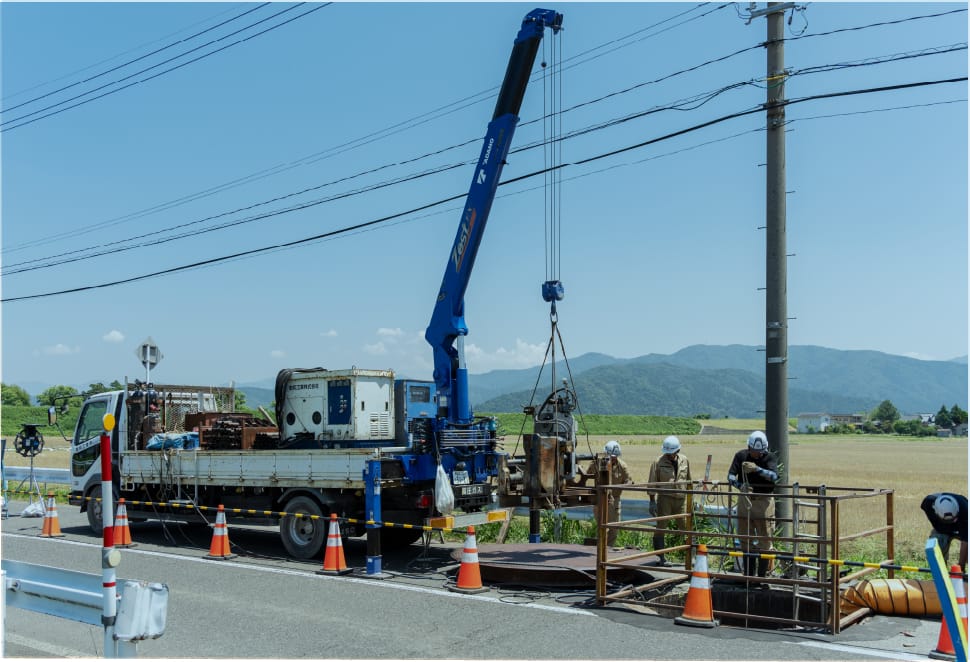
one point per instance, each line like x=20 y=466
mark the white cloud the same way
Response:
x=277 y=354
x=390 y=334
x=60 y=349
x=332 y=333
x=523 y=355
x=377 y=349
x=114 y=335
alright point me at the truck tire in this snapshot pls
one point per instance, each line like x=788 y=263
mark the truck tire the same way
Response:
x=304 y=537
x=94 y=511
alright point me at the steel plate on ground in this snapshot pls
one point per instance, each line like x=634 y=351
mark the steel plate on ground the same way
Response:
x=567 y=566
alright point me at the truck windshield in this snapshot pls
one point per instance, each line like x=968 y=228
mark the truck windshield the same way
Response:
x=89 y=427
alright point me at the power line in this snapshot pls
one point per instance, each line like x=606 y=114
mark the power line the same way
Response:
x=137 y=59
x=156 y=75
x=371 y=223
x=690 y=103
x=383 y=133
x=876 y=25
x=113 y=57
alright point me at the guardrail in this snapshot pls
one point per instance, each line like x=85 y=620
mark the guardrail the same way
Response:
x=41 y=475
x=79 y=596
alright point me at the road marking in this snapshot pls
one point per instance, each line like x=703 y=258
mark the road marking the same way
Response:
x=874 y=652
x=42 y=646
x=314 y=576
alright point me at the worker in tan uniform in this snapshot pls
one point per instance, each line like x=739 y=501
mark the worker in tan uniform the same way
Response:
x=671 y=469
x=754 y=471
x=619 y=475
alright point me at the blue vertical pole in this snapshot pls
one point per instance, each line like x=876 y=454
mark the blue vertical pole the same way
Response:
x=372 y=503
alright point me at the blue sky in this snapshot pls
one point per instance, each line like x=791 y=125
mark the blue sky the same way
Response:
x=660 y=247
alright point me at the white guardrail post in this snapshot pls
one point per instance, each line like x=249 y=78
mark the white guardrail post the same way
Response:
x=78 y=596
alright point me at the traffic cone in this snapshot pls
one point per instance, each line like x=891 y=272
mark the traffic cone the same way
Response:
x=122 y=532
x=52 y=526
x=699 y=608
x=944 y=646
x=219 y=549
x=469 y=573
x=333 y=560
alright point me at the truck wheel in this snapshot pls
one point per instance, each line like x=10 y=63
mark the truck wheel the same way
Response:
x=304 y=537
x=94 y=511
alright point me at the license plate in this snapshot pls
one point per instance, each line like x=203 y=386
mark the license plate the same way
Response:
x=459 y=477
x=473 y=490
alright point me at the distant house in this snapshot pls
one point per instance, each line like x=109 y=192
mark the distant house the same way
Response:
x=820 y=421
x=943 y=432
x=960 y=430
x=813 y=422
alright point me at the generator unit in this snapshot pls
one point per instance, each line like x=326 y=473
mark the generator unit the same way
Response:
x=319 y=408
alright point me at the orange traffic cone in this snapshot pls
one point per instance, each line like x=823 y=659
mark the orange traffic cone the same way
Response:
x=52 y=526
x=944 y=646
x=469 y=573
x=219 y=549
x=122 y=532
x=699 y=608
x=333 y=560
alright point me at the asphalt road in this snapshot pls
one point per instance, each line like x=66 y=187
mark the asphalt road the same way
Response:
x=263 y=605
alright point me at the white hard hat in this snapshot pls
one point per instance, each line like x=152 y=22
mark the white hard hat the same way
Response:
x=757 y=441
x=670 y=445
x=612 y=448
x=946 y=508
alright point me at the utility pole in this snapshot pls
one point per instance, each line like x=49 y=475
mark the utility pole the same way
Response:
x=776 y=268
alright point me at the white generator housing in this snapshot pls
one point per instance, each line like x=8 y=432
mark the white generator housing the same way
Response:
x=337 y=405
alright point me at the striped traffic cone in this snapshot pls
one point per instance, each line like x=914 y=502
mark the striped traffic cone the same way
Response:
x=469 y=573
x=219 y=549
x=699 y=608
x=944 y=646
x=122 y=532
x=333 y=559
x=52 y=526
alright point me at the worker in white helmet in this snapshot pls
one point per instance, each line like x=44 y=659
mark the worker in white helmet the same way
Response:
x=947 y=513
x=754 y=471
x=619 y=475
x=670 y=471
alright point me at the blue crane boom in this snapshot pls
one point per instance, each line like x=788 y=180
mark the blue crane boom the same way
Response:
x=448 y=319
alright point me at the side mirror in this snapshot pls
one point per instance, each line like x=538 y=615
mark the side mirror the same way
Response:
x=51 y=416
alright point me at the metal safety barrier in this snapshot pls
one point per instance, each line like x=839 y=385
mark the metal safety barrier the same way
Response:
x=79 y=596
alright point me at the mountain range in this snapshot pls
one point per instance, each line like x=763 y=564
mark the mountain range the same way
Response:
x=720 y=380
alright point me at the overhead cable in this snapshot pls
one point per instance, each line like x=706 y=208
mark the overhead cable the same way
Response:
x=132 y=61
x=21 y=121
x=374 y=136
x=358 y=226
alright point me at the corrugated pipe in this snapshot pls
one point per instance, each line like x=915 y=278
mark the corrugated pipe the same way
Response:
x=898 y=597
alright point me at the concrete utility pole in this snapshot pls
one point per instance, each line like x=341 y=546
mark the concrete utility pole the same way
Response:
x=776 y=268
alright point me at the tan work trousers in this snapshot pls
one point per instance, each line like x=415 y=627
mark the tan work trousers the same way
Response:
x=754 y=514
